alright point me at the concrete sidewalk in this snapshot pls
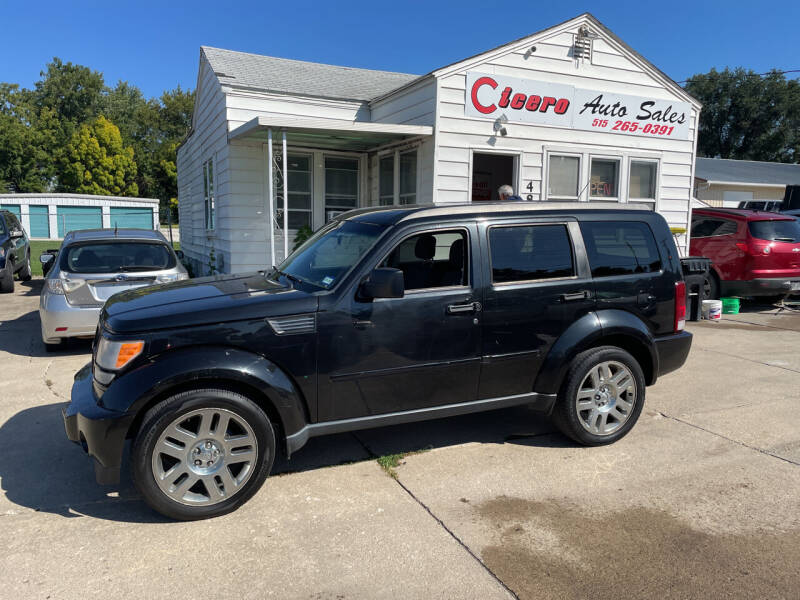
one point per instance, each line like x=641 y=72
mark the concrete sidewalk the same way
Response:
x=702 y=499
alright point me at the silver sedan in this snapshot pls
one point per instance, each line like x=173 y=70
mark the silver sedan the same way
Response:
x=91 y=266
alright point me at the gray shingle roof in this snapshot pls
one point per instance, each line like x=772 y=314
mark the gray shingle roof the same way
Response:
x=747 y=171
x=283 y=75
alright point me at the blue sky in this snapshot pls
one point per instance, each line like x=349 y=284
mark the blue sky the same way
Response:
x=155 y=45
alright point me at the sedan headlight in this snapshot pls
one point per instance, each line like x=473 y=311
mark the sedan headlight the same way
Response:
x=112 y=356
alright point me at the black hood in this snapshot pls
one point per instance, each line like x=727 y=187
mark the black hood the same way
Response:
x=204 y=301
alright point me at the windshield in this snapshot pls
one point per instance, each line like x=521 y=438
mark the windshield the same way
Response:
x=116 y=257
x=778 y=231
x=330 y=253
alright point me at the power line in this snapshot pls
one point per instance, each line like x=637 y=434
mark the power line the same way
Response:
x=749 y=74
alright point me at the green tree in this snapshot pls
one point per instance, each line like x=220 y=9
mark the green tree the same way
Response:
x=25 y=164
x=96 y=162
x=746 y=116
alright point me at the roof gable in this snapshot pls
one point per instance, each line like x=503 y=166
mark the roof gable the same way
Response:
x=287 y=76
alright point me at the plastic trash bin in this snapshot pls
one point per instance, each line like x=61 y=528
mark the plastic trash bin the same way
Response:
x=695 y=271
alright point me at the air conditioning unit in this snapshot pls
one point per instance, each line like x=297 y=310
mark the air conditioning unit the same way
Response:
x=332 y=214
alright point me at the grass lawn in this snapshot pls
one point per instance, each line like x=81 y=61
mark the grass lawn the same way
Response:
x=37 y=248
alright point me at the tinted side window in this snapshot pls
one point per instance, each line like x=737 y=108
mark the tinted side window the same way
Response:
x=524 y=253
x=620 y=248
x=431 y=260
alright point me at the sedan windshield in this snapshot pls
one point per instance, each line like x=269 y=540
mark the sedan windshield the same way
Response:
x=330 y=253
x=777 y=231
x=116 y=257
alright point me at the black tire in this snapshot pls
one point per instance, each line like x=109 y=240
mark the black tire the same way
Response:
x=25 y=273
x=164 y=414
x=711 y=286
x=566 y=415
x=53 y=347
x=7 y=279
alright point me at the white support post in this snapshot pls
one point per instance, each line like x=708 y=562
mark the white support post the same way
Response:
x=271 y=207
x=284 y=163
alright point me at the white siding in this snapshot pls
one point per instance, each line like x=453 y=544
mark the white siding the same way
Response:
x=244 y=106
x=207 y=140
x=457 y=135
x=413 y=106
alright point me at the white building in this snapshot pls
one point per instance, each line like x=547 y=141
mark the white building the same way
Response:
x=569 y=113
x=51 y=215
x=726 y=182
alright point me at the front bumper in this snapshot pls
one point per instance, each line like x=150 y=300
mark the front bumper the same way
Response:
x=772 y=286
x=673 y=351
x=56 y=312
x=101 y=432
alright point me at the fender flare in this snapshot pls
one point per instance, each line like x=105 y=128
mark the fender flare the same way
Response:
x=178 y=368
x=590 y=330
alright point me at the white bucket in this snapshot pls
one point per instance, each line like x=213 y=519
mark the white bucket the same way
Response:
x=712 y=310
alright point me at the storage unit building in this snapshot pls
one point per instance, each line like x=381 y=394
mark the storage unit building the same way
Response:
x=569 y=113
x=51 y=216
x=726 y=182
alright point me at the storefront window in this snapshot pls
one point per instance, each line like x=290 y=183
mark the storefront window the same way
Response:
x=604 y=178
x=341 y=184
x=643 y=180
x=386 y=180
x=408 y=177
x=299 y=192
x=563 y=177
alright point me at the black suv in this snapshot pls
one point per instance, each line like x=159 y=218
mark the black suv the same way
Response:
x=15 y=251
x=384 y=316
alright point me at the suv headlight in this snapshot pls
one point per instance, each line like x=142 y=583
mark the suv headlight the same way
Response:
x=171 y=277
x=112 y=356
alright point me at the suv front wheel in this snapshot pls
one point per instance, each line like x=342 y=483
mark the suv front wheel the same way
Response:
x=602 y=396
x=202 y=453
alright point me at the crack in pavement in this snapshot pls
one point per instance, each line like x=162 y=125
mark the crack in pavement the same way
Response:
x=50 y=387
x=441 y=523
x=725 y=437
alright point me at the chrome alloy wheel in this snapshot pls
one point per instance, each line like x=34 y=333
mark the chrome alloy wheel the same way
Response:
x=606 y=398
x=204 y=456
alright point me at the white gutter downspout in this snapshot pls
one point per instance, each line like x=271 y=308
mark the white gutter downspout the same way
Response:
x=270 y=223
x=284 y=162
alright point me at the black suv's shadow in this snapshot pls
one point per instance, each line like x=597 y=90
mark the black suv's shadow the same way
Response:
x=42 y=470
x=23 y=336
x=33 y=287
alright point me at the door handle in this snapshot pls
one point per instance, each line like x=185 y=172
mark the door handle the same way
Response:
x=645 y=299
x=575 y=296
x=471 y=307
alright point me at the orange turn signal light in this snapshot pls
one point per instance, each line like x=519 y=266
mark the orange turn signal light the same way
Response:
x=127 y=352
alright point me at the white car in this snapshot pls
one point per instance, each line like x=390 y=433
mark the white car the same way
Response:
x=91 y=266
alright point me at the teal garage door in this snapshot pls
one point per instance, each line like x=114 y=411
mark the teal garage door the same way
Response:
x=40 y=222
x=14 y=208
x=134 y=217
x=78 y=217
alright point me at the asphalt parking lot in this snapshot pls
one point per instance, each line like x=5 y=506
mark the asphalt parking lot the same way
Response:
x=702 y=499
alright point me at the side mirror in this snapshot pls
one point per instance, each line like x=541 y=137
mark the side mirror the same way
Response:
x=47 y=262
x=15 y=234
x=179 y=254
x=383 y=283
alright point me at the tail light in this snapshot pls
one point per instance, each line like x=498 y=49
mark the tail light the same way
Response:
x=680 y=306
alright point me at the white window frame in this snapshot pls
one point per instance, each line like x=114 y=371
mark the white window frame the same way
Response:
x=608 y=157
x=279 y=193
x=546 y=195
x=657 y=186
x=209 y=177
x=516 y=174
x=359 y=158
x=396 y=154
x=625 y=156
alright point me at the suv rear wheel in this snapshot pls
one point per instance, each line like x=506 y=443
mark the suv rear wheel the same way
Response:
x=25 y=272
x=602 y=396
x=7 y=278
x=202 y=453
